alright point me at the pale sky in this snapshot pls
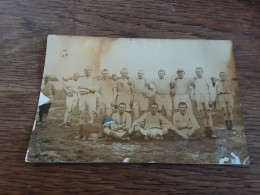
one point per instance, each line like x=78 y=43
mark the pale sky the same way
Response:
x=69 y=54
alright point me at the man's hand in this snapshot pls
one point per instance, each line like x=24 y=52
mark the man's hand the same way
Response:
x=70 y=94
x=129 y=83
x=145 y=95
x=113 y=103
x=211 y=104
x=189 y=126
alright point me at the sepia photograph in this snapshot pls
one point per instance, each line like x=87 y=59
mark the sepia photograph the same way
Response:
x=135 y=100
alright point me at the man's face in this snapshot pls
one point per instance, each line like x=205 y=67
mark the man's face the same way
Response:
x=222 y=76
x=122 y=108
x=199 y=72
x=181 y=75
x=87 y=71
x=182 y=109
x=75 y=77
x=154 y=109
x=105 y=75
x=140 y=75
x=161 y=74
x=124 y=73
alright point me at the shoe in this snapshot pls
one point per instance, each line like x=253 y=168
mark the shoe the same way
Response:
x=146 y=138
x=227 y=124
x=213 y=136
x=68 y=124
x=127 y=139
x=230 y=125
x=207 y=132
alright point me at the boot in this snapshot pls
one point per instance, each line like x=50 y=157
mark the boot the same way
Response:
x=211 y=135
x=115 y=136
x=227 y=124
x=230 y=125
x=207 y=132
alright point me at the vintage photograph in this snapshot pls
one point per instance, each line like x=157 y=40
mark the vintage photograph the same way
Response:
x=129 y=100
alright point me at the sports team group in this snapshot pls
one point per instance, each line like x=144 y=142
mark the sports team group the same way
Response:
x=144 y=108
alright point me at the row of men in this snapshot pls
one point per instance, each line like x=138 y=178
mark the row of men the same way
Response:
x=135 y=94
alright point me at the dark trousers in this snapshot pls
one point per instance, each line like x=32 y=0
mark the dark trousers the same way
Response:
x=44 y=109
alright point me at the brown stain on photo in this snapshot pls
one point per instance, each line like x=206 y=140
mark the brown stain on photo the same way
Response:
x=231 y=68
x=104 y=46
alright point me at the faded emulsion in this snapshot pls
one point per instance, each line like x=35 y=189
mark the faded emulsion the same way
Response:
x=138 y=101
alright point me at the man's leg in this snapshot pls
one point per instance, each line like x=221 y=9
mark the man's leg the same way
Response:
x=169 y=114
x=179 y=132
x=40 y=113
x=193 y=130
x=230 y=116
x=109 y=111
x=136 y=112
x=225 y=113
x=167 y=104
x=210 y=123
x=91 y=107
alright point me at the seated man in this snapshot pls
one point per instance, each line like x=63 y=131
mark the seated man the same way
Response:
x=120 y=129
x=152 y=125
x=185 y=123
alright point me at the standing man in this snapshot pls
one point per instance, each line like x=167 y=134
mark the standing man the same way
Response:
x=71 y=89
x=48 y=90
x=108 y=93
x=204 y=97
x=226 y=93
x=140 y=89
x=120 y=129
x=124 y=91
x=181 y=87
x=185 y=122
x=162 y=96
x=87 y=99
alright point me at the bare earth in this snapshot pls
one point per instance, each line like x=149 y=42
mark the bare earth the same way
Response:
x=57 y=144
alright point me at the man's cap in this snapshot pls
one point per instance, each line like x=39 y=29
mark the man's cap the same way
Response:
x=179 y=70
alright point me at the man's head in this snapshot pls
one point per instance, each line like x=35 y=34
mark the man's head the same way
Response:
x=46 y=79
x=182 y=107
x=180 y=72
x=161 y=73
x=104 y=74
x=222 y=76
x=124 y=73
x=87 y=70
x=140 y=74
x=199 y=72
x=76 y=76
x=213 y=80
x=154 y=108
x=121 y=107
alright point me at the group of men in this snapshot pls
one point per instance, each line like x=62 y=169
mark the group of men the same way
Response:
x=157 y=106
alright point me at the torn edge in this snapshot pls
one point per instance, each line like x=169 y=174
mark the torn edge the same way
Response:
x=26 y=156
x=34 y=124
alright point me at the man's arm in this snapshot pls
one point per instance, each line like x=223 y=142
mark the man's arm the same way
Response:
x=165 y=121
x=211 y=90
x=140 y=121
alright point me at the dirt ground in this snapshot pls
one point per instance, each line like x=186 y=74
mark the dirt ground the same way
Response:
x=57 y=144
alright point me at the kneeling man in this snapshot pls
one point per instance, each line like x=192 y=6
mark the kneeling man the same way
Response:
x=120 y=129
x=152 y=125
x=185 y=122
